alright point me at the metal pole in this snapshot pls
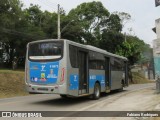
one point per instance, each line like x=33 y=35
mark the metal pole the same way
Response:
x=125 y=37
x=158 y=84
x=59 y=31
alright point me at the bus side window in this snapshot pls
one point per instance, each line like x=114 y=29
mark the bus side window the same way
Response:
x=117 y=65
x=96 y=61
x=73 y=56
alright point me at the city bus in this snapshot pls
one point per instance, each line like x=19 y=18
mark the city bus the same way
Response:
x=70 y=69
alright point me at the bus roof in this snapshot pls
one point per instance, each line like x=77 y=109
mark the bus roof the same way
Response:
x=97 y=50
x=89 y=47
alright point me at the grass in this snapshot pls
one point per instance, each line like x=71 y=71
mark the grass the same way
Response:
x=12 y=83
x=11 y=71
x=139 y=79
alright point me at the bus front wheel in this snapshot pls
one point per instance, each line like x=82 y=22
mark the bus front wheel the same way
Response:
x=96 y=94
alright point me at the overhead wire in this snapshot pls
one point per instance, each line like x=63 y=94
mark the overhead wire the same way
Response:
x=14 y=32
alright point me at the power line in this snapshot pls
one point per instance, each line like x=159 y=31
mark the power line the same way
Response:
x=14 y=32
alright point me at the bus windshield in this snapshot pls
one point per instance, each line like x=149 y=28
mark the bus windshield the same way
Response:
x=45 y=50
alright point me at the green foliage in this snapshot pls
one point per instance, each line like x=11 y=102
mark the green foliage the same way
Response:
x=132 y=48
x=111 y=40
x=88 y=23
x=124 y=17
x=18 y=27
x=91 y=17
x=114 y=23
x=10 y=16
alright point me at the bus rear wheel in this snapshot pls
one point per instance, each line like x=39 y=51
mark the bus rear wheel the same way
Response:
x=63 y=96
x=96 y=94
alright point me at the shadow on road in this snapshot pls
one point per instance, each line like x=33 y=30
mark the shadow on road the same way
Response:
x=71 y=101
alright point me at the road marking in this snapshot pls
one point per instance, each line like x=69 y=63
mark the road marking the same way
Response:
x=10 y=103
x=18 y=101
x=102 y=101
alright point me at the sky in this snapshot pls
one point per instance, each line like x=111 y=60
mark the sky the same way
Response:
x=143 y=13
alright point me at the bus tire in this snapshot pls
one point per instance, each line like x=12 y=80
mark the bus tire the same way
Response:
x=122 y=83
x=34 y=93
x=96 y=94
x=120 y=90
x=63 y=96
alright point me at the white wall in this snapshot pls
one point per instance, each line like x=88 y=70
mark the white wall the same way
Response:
x=158 y=27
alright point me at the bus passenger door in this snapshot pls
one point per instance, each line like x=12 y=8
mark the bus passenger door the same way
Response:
x=107 y=74
x=126 y=80
x=83 y=72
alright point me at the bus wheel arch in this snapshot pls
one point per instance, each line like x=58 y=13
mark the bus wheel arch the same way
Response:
x=97 y=90
x=122 y=85
x=122 y=82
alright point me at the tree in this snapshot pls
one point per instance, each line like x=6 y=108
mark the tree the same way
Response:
x=114 y=23
x=124 y=17
x=131 y=48
x=90 y=17
x=16 y=29
x=111 y=40
x=10 y=15
x=89 y=23
x=111 y=35
x=71 y=30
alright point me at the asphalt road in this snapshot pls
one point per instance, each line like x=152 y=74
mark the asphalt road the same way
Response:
x=54 y=102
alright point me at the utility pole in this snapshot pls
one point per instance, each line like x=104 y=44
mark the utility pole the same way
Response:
x=58 y=29
x=125 y=37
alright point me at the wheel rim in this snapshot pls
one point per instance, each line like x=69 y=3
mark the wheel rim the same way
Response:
x=97 y=92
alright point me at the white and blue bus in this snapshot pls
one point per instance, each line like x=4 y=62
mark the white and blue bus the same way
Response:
x=68 y=68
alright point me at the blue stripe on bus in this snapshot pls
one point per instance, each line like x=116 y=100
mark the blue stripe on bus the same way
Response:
x=44 y=73
x=74 y=81
x=94 y=78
